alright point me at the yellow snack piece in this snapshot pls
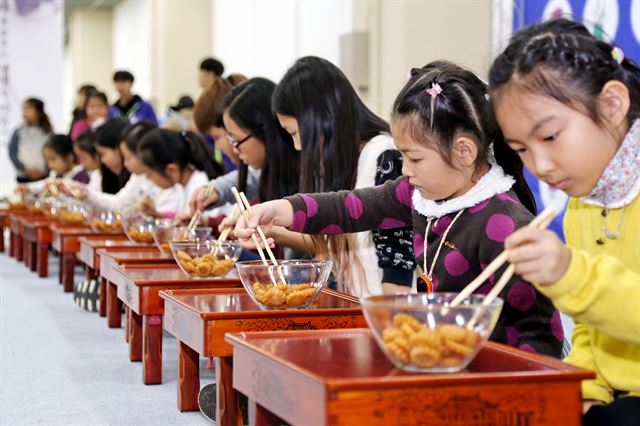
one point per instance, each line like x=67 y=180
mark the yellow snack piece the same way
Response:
x=283 y=296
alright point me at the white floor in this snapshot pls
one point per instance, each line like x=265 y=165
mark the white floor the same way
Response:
x=60 y=365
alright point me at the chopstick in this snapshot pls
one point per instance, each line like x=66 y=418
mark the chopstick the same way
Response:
x=198 y=214
x=225 y=233
x=245 y=208
x=541 y=221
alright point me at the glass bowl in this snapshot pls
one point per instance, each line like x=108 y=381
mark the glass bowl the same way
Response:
x=137 y=227
x=304 y=281
x=106 y=221
x=31 y=203
x=421 y=333
x=205 y=259
x=70 y=211
x=166 y=231
x=47 y=206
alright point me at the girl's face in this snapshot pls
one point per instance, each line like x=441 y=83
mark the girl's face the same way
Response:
x=249 y=149
x=290 y=124
x=57 y=163
x=558 y=144
x=88 y=161
x=29 y=114
x=428 y=172
x=163 y=181
x=219 y=135
x=111 y=158
x=96 y=109
x=131 y=160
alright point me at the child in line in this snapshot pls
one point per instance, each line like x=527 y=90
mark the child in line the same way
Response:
x=462 y=198
x=569 y=106
x=85 y=150
x=344 y=145
x=172 y=158
x=96 y=109
x=61 y=161
x=139 y=190
x=78 y=112
x=25 y=146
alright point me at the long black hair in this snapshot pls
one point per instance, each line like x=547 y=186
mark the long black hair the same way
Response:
x=249 y=105
x=461 y=106
x=133 y=134
x=560 y=59
x=333 y=122
x=61 y=145
x=109 y=136
x=43 y=119
x=161 y=147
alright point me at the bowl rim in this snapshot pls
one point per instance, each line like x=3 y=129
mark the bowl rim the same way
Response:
x=231 y=244
x=389 y=299
x=285 y=262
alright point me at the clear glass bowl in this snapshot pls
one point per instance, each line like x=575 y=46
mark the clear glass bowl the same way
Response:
x=421 y=333
x=166 y=231
x=304 y=281
x=106 y=221
x=47 y=206
x=205 y=259
x=137 y=227
x=31 y=203
x=70 y=211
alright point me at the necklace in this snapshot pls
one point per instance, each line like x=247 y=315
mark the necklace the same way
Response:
x=611 y=235
x=425 y=277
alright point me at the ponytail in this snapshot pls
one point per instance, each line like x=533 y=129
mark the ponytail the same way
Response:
x=161 y=147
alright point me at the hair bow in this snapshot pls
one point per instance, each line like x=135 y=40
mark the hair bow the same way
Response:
x=434 y=90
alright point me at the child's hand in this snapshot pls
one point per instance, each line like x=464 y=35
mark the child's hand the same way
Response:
x=21 y=189
x=148 y=207
x=588 y=403
x=184 y=215
x=265 y=215
x=76 y=189
x=538 y=255
x=199 y=201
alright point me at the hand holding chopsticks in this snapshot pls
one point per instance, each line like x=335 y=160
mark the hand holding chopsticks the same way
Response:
x=245 y=208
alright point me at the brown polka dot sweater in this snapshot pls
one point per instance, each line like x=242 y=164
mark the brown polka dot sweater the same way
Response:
x=528 y=319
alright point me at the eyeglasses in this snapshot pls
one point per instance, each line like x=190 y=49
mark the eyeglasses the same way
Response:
x=236 y=143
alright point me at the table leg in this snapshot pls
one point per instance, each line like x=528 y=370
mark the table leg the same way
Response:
x=19 y=248
x=33 y=256
x=2 y=240
x=25 y=252
x=114 y=307
x=135 y=335
x=188 y=378
x=227 y=398
x=42 y=260
x=12 y=244
x=60 y=267
x=90 y=273
x=127 y=324
x=263 y=417
x=68 y=270
x=152 y=347
x=103 y=297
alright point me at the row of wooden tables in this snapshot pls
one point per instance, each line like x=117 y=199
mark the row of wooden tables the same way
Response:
x=314 y=366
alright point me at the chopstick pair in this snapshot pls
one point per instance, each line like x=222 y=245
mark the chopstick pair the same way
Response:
x=245 y=208
x=541 y=221
x=195 y=219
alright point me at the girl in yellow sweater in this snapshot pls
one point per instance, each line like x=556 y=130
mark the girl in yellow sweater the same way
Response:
x=569 y=105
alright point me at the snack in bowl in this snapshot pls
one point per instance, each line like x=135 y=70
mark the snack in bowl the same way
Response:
x=423 y=333
x=291 y=284
x=138 y=236
x=138 y=227
x=205 y=259
x=105 y=226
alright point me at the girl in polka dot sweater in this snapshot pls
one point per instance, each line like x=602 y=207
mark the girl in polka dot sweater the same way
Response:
x=457 y=192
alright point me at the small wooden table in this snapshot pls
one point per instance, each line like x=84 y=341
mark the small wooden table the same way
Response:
x=65 y=239
x=199 y=320
x=112 y=257
x=89 y=246
x=5 y=223
x=36 y=239
x=16 y=248
x=341 y=377
x=139 y=290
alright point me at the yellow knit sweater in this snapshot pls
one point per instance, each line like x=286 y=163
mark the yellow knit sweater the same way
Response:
x=601 y=291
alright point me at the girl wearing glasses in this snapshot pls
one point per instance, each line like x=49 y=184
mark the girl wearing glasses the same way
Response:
x=270 y=162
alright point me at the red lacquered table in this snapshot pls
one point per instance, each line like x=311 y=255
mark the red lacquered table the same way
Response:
x=89 y=246
x=341 y=377
x=16 y=248
x=5 y=223
x=112 y=257
x=36 y=240
x=199 y=320
x=139 y=290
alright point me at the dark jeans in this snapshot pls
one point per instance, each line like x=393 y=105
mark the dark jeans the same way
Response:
x=623 y=411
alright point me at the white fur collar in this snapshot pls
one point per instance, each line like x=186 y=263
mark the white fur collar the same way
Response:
x=494 y=182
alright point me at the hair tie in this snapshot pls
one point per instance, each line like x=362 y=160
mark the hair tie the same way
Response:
x=617 y=54
x=434 y=90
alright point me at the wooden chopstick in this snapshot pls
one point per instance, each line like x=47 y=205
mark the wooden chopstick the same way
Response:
x=244 y=212
x=540 y=220
x=225 y=233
